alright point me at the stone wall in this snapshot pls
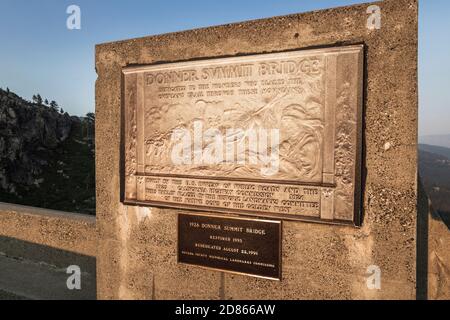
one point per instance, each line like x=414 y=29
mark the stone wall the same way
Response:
x=36 y=248
x=438 y=271
x=59 y=230
x=137 y=247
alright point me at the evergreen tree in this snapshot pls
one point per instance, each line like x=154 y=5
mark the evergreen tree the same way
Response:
x=38 y=99
x=54 y=105
x=90 y=116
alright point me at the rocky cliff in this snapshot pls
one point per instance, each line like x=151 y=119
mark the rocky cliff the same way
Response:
x=42 y=151
x=28 y=134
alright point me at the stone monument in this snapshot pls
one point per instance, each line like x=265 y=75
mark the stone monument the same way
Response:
x=268 y=159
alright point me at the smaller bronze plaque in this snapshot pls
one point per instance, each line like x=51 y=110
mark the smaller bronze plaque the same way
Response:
x=238 y=245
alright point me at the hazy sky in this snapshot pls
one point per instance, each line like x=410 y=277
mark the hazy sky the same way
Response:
x=38 y=54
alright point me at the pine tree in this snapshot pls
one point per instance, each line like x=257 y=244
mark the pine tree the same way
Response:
x=38 y=99
x=90 y=116
x=54 y=105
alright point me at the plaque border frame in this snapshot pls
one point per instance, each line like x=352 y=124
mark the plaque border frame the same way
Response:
x=359 y=149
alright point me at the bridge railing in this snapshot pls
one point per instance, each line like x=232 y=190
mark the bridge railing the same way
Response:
x=37 y=246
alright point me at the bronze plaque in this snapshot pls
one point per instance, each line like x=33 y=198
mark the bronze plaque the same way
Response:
x=274 y=135
x=238 y=245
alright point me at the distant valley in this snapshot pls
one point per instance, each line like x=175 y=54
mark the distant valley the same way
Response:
x=442 y=140
x=434 y=168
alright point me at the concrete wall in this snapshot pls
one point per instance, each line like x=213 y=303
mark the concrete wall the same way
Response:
x=59 y=230
x=438 y=257
x=137 y=246
x=37 y=246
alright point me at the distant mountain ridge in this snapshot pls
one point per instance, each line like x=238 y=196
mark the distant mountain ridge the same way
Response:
x=436 y=140
x=442 y=151
x=434 y=168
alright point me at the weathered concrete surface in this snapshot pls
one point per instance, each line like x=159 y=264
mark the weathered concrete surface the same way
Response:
x=60 y=230
x=438 y=258
x=137 y=247
x=433 y=254
x=37 y=246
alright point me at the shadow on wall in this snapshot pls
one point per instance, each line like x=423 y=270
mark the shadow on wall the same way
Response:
x=423 y=210
x=33 y=271
x=433 y=256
